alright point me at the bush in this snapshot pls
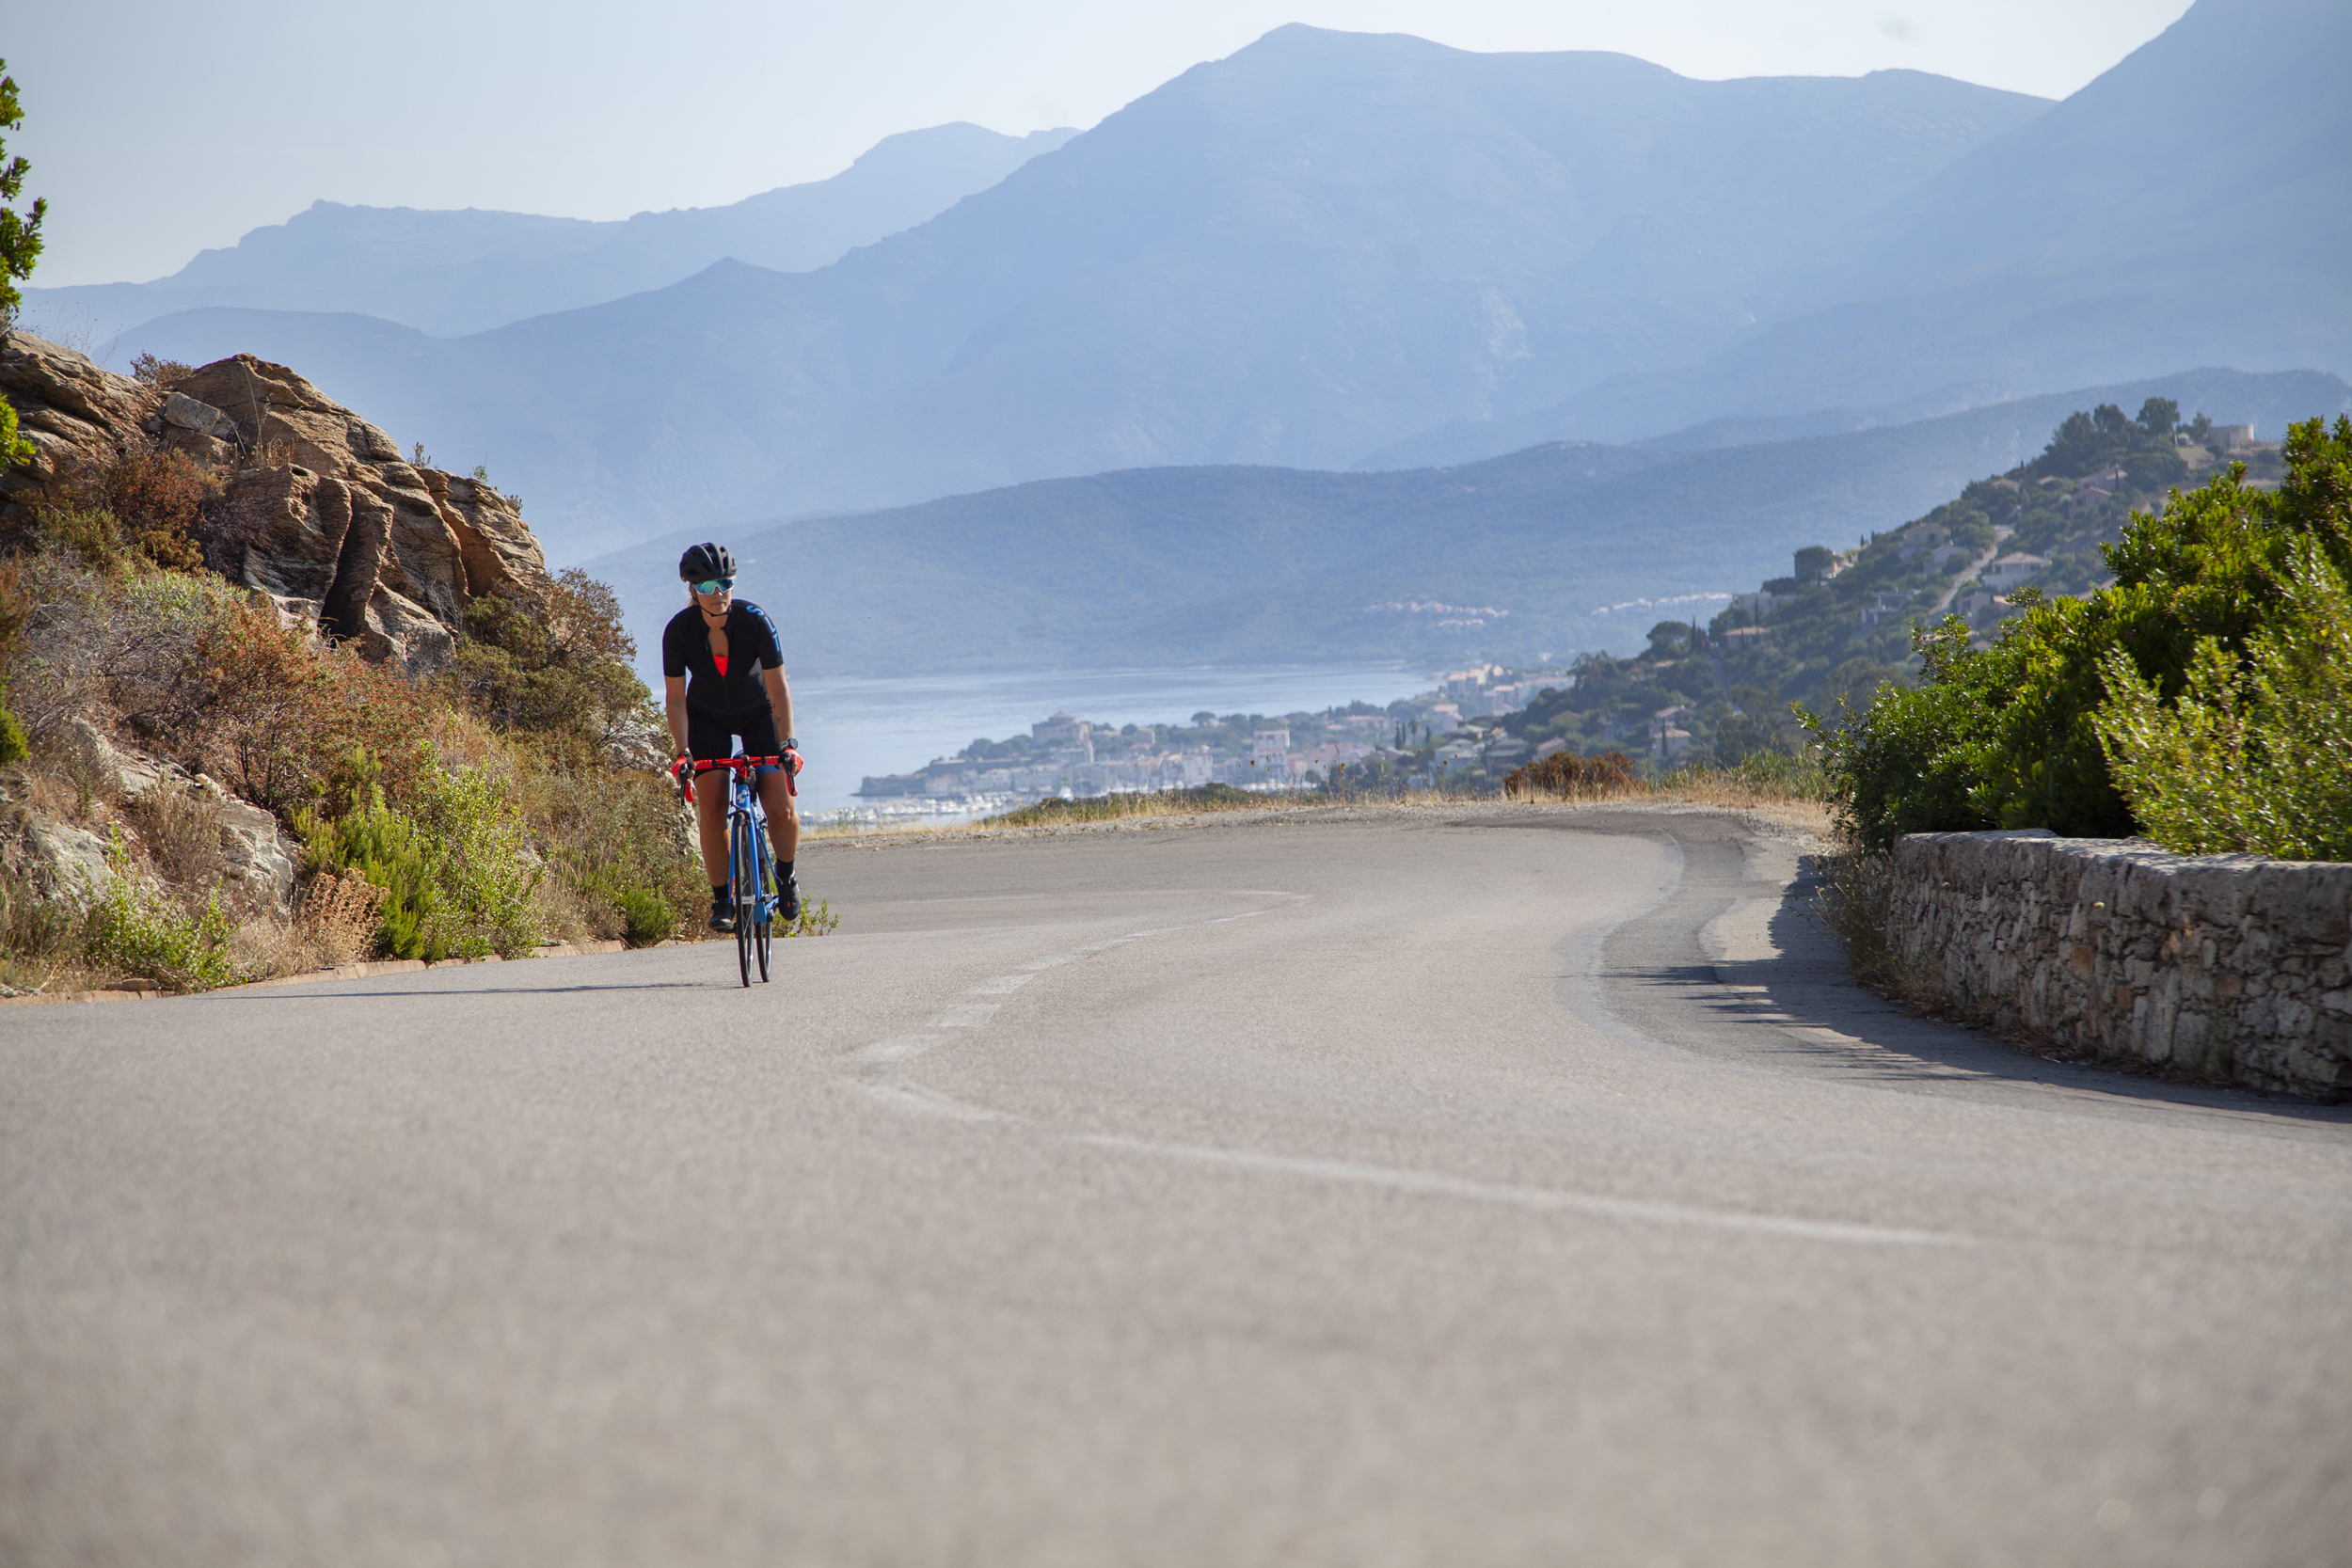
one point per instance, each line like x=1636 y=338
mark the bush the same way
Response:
x=2257 y=754
x=645 y=916
x=280 y=712
x=1569 y=776
x=560 y=672
x=456 y=865
x=149 y=369
x=618 y=838
x=2004 y=737
x=152 y=500
x=133 y=928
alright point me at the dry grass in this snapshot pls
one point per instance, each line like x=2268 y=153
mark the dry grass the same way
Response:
x=180 y=830
x=337 y=917
x=1794 y=810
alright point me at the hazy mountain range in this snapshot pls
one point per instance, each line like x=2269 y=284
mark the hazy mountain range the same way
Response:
x=1329 y=247
x=452 y=273
x=1175 y=566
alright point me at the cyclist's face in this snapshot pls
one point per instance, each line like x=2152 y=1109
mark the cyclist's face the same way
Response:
x=715 y=602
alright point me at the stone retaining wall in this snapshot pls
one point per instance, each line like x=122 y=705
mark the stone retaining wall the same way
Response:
x=2229 y=967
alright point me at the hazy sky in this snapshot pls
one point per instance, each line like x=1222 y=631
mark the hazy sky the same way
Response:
x=157 y=127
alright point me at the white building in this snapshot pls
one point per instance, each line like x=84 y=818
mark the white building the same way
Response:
x=2013 y=569
x=1064 y=728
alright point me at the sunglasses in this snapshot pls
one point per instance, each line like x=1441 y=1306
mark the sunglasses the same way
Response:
x=716 y=585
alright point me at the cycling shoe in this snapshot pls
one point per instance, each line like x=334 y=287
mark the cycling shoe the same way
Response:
x=722 y=914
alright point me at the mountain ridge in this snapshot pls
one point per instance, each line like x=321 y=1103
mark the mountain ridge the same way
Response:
x=1290 y=255
x=452 y=271
x=1181 y=566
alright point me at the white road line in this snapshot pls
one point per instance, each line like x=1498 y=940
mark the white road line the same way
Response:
x=1004 y=985
x=1530 y=1198
x=899 y=1095
x=976 y=1015
x=897 y=1048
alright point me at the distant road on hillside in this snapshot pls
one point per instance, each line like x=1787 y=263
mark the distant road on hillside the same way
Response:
x=1493 y=1186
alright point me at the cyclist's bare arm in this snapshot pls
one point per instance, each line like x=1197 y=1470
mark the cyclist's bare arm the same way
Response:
x=779 y=703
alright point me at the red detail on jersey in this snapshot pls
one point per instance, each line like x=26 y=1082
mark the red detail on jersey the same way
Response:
x=720 y=661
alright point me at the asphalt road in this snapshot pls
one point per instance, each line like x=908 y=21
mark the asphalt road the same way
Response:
x=1515 y=1189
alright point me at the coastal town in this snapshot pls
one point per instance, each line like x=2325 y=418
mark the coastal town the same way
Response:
x=1699 y=693
x=1447 y=733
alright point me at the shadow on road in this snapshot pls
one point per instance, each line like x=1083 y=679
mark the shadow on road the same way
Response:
x=1794 y=1010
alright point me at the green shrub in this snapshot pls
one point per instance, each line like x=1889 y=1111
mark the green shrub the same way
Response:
x=559 y=670
x=2257 y=754
x=617 y=834
x=646 y=916
x=454 y=862
x=2004 y=737
x=13 y=746
x=133 y=928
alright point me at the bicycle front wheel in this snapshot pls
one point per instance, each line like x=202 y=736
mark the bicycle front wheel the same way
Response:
x=743 y=880
x=763 y=929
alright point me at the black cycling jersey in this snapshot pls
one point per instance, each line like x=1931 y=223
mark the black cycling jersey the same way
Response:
x=751 y=647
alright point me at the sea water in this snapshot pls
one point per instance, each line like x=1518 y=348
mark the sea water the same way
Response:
x=850 y=728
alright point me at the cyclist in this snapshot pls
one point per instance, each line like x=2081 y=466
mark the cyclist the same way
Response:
x=729 y=648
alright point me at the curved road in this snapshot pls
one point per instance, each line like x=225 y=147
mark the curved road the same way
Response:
x=1517 y=1187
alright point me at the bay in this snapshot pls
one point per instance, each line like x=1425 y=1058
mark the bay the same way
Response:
x=851 y=727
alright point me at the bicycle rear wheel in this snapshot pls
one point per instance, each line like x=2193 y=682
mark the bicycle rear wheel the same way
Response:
x=743 y=877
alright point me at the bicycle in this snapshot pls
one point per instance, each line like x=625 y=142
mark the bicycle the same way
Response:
x=751 y=860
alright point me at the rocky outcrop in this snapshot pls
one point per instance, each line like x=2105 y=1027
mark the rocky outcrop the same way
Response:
x=321 y=511
x=2224 y=967
x=59 y=861
x=257 y=860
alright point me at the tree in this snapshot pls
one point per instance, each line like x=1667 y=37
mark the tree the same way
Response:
x=20 y=242
x=2110 y=423
x=20 y=236
x=2006 y=737
x=2157 y=418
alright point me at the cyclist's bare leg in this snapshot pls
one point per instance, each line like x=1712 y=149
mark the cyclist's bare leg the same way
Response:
x=711 y=811
x=784 y=823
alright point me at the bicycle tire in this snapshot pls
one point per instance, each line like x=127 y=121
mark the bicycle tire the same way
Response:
x=741 y=876
x=763 y=932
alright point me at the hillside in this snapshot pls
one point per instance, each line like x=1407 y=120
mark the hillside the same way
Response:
x=274 y=695
x=451 y=273
x=1713 y=690
x=1308 y=250
x=1166 y=567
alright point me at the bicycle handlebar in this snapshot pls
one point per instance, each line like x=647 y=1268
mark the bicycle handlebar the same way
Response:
x=788 y=761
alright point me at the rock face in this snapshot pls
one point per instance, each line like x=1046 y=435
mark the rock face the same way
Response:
x=2229 y=967
x=322 y=513
x=257 y=860
x=55 y=860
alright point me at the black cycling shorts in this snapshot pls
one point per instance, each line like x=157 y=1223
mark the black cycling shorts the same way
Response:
x=711 y=737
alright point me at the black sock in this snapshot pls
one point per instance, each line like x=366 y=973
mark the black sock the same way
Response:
x=718 y=896
x=784 y=872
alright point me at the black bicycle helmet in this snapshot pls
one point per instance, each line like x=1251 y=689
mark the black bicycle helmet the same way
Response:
x=706 y=561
